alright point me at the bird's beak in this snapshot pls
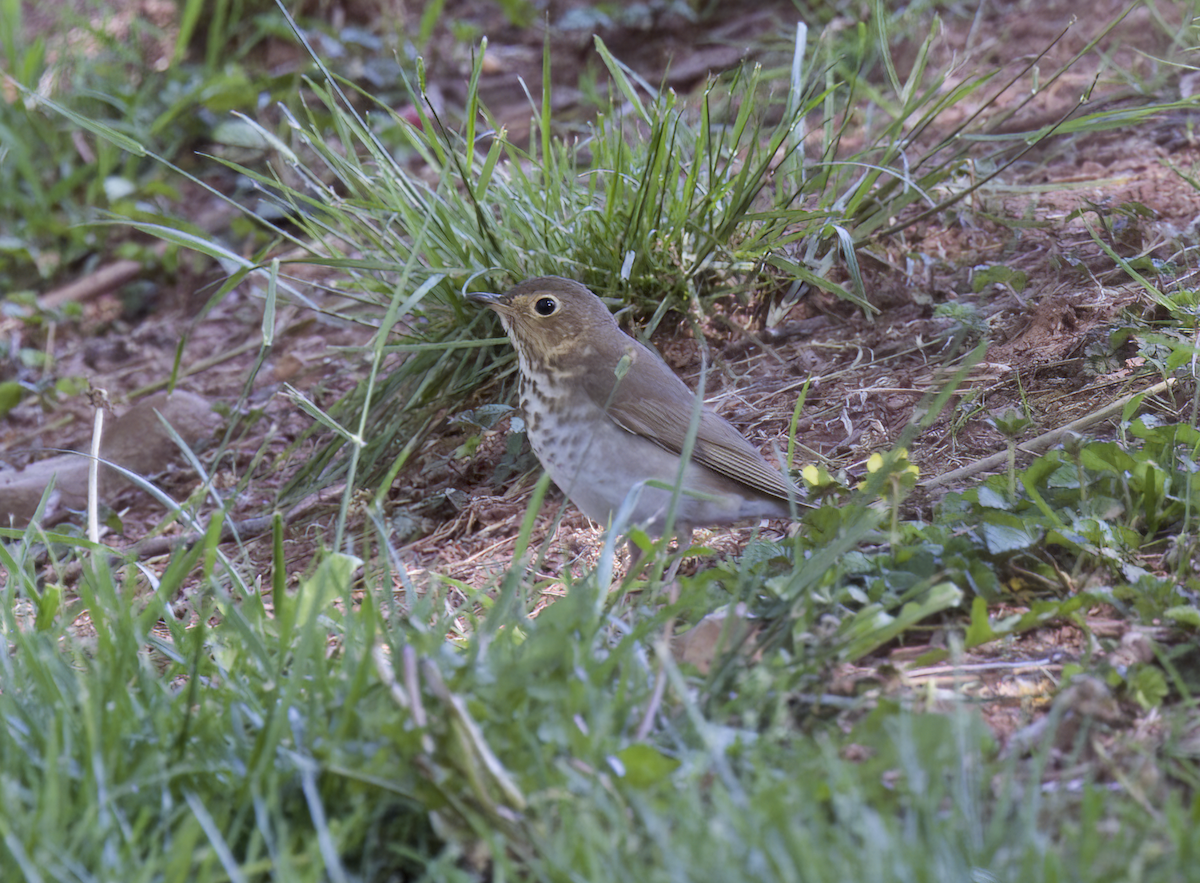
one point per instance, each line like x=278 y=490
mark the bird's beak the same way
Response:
x=494 y=301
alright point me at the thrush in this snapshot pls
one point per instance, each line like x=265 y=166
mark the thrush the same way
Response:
x=609 y=419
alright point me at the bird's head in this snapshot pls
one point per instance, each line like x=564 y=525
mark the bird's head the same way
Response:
x=554 y=322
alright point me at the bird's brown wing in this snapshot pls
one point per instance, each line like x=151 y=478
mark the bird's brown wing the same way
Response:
x=654 y=403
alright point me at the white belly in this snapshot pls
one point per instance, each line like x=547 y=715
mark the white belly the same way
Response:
x=600 y=466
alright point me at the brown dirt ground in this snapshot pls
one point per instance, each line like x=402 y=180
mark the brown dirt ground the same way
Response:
x=866 y=375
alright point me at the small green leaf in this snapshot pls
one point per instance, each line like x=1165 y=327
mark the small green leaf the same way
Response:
x=874 y=626
x=48 y=605
x=1011 y=422
x=239 y=133
x=980 y=630
x=1148 y=685
x=645 y=766
x=316 y=593
x=992 y=498
x=71 y=385
x=1008 y=533
x=1106 y=456
x=1183 y=615
x=11 y=393
x=112 y=520
x=999 y=274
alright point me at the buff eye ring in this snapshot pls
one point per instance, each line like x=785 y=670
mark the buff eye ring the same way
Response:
x=545 y=306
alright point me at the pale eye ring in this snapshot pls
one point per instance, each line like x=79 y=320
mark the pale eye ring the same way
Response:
x=545 y=306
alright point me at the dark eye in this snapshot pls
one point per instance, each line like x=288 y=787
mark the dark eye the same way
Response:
x=545 y=306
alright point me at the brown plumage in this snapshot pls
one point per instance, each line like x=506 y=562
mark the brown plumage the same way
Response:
x=606 y=416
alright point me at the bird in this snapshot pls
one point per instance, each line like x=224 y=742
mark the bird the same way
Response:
x=609 y=419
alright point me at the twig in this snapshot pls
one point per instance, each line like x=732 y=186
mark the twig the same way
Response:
x=100 y=403
x=105 y=279
x=1054 y=661
x=1046 y=439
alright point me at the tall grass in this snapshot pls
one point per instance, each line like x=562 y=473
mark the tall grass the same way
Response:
x=342 y=739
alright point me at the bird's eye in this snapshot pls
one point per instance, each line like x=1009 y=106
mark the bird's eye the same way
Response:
x=545 y=306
